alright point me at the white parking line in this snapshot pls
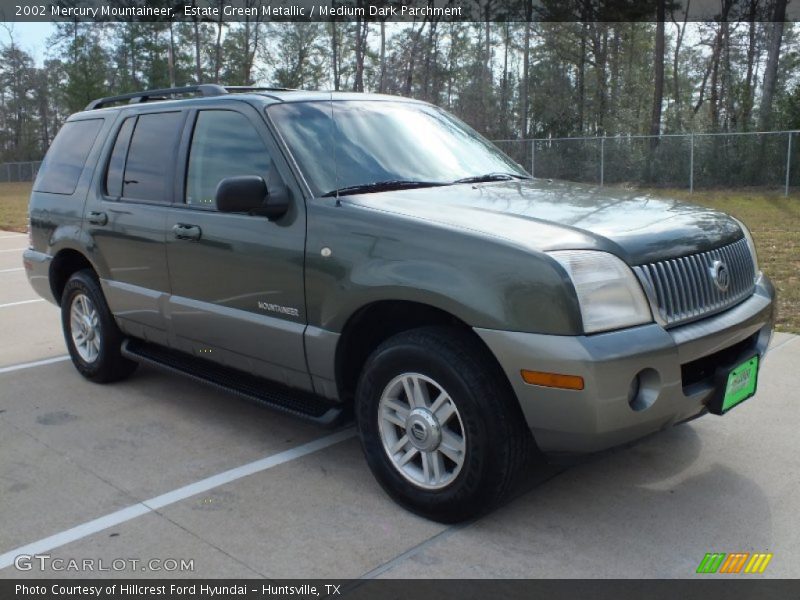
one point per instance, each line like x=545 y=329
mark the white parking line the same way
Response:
x=153 y=504
x=13 y=250
x=36 y=363
x=12 y=236
x=14 y=270
x=21 y=302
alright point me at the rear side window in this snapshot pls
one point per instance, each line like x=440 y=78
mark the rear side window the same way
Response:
x=150 y=158
x=116 y=164
x=224 y=144
x=63 y=165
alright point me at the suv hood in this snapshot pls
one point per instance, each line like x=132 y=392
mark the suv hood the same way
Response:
x=548 y=215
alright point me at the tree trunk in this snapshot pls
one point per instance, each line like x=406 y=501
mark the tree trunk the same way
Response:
x=582 y=79
x=412 y=56
x=358 y=83
x=171 y=57
x=658 y=61
x=382 y=82
x=218 y=50
x=451 y=65
x=198 y=65
x=714 y=96
x=335 y=55
x=245 y=75
x=430 y=53
x=676 y=82
x=600 y=51
x=526 y=66
x=771 y=71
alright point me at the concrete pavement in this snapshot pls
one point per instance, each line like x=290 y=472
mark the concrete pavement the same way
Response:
x=72 y=452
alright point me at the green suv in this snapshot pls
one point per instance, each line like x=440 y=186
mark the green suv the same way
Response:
x=352 y=254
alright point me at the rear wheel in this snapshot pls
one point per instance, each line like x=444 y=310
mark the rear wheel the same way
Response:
x=439 y=424
x=92 y=336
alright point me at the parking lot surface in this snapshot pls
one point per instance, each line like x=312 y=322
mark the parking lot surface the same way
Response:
x=159 y=467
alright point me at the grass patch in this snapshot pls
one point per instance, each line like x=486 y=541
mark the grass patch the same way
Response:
x=14 y=206
x=773 y=219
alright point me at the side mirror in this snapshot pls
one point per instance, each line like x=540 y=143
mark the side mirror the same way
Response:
x=249 y=194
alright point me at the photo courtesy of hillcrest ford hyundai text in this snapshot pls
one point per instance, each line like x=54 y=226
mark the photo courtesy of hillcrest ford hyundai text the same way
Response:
x=348 y=255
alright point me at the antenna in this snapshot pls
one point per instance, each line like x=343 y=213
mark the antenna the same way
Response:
x=333 y=139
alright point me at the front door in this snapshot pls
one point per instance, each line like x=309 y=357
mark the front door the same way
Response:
x=236 y=279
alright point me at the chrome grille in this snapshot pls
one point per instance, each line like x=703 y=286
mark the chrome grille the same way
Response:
x=683 y=289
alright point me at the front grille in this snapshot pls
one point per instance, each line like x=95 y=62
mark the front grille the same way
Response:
x=683 y=288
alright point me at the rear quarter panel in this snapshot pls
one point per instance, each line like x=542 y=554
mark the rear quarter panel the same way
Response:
x=56 y=219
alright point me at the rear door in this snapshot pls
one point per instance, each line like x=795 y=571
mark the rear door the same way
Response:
x=124 y=218
x=236 y=279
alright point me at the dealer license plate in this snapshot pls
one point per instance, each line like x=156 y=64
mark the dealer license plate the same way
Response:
x=741 y=384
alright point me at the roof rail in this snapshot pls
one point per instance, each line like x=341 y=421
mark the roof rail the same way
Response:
x=206 y=89
x=250 y=88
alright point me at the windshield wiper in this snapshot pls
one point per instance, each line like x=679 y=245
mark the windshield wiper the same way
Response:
x=382 y=186
x=491 y=177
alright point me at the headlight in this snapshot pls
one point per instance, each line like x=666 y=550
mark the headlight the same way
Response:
x=609 y=294
x=751 y=245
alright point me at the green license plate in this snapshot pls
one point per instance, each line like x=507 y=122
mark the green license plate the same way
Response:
x=741 y=384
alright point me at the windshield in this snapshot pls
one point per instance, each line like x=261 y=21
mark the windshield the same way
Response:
x=347 y=144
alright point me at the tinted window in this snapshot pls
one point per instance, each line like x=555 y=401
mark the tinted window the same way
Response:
x=116 y=164
x=150 y=164
x=64 y=162
x=224 y=144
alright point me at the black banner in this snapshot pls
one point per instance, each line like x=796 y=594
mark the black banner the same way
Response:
x=389 y=10
x=731 y=588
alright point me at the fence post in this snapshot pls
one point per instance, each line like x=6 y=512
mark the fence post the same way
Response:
x=788 y=163
x=691 y=163
x=602 y=159
x=533 y=157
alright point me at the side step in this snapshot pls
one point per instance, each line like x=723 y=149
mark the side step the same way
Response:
x=273 y=395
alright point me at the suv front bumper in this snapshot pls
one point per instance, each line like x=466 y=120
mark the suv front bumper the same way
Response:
x=675 y=368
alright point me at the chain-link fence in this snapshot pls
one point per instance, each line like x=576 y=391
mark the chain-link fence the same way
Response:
x=702 y=160
x=19 y=171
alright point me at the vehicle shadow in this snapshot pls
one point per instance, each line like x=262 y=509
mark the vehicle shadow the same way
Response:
x=648 y=509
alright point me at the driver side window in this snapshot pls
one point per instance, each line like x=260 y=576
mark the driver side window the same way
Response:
x=224 y=144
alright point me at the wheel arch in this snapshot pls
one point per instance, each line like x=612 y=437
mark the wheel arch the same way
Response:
x=65 y=263
x=374 y=323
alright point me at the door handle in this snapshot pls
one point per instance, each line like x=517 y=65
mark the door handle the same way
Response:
x=186 y=232
x=98 y=218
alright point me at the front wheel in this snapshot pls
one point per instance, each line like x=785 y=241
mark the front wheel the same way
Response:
x=92 y=336
x=439 y=424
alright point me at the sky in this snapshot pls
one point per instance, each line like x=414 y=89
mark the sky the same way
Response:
x=31 y=37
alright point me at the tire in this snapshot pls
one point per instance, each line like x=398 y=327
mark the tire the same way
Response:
x=92 y=336
x=460 y=480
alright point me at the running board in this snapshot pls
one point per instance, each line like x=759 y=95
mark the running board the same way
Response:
x=273 y=395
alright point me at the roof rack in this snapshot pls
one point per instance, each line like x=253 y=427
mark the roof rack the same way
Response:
x=208 y=89
x=249 y=88
x=205 y=90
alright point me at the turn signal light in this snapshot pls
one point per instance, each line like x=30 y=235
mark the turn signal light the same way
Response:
x=555 y=380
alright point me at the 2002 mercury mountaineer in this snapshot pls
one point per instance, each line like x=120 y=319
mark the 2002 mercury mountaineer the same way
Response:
x=319 y=251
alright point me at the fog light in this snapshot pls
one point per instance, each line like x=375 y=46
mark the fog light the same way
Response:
x=555 y=380
x=644 y=389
